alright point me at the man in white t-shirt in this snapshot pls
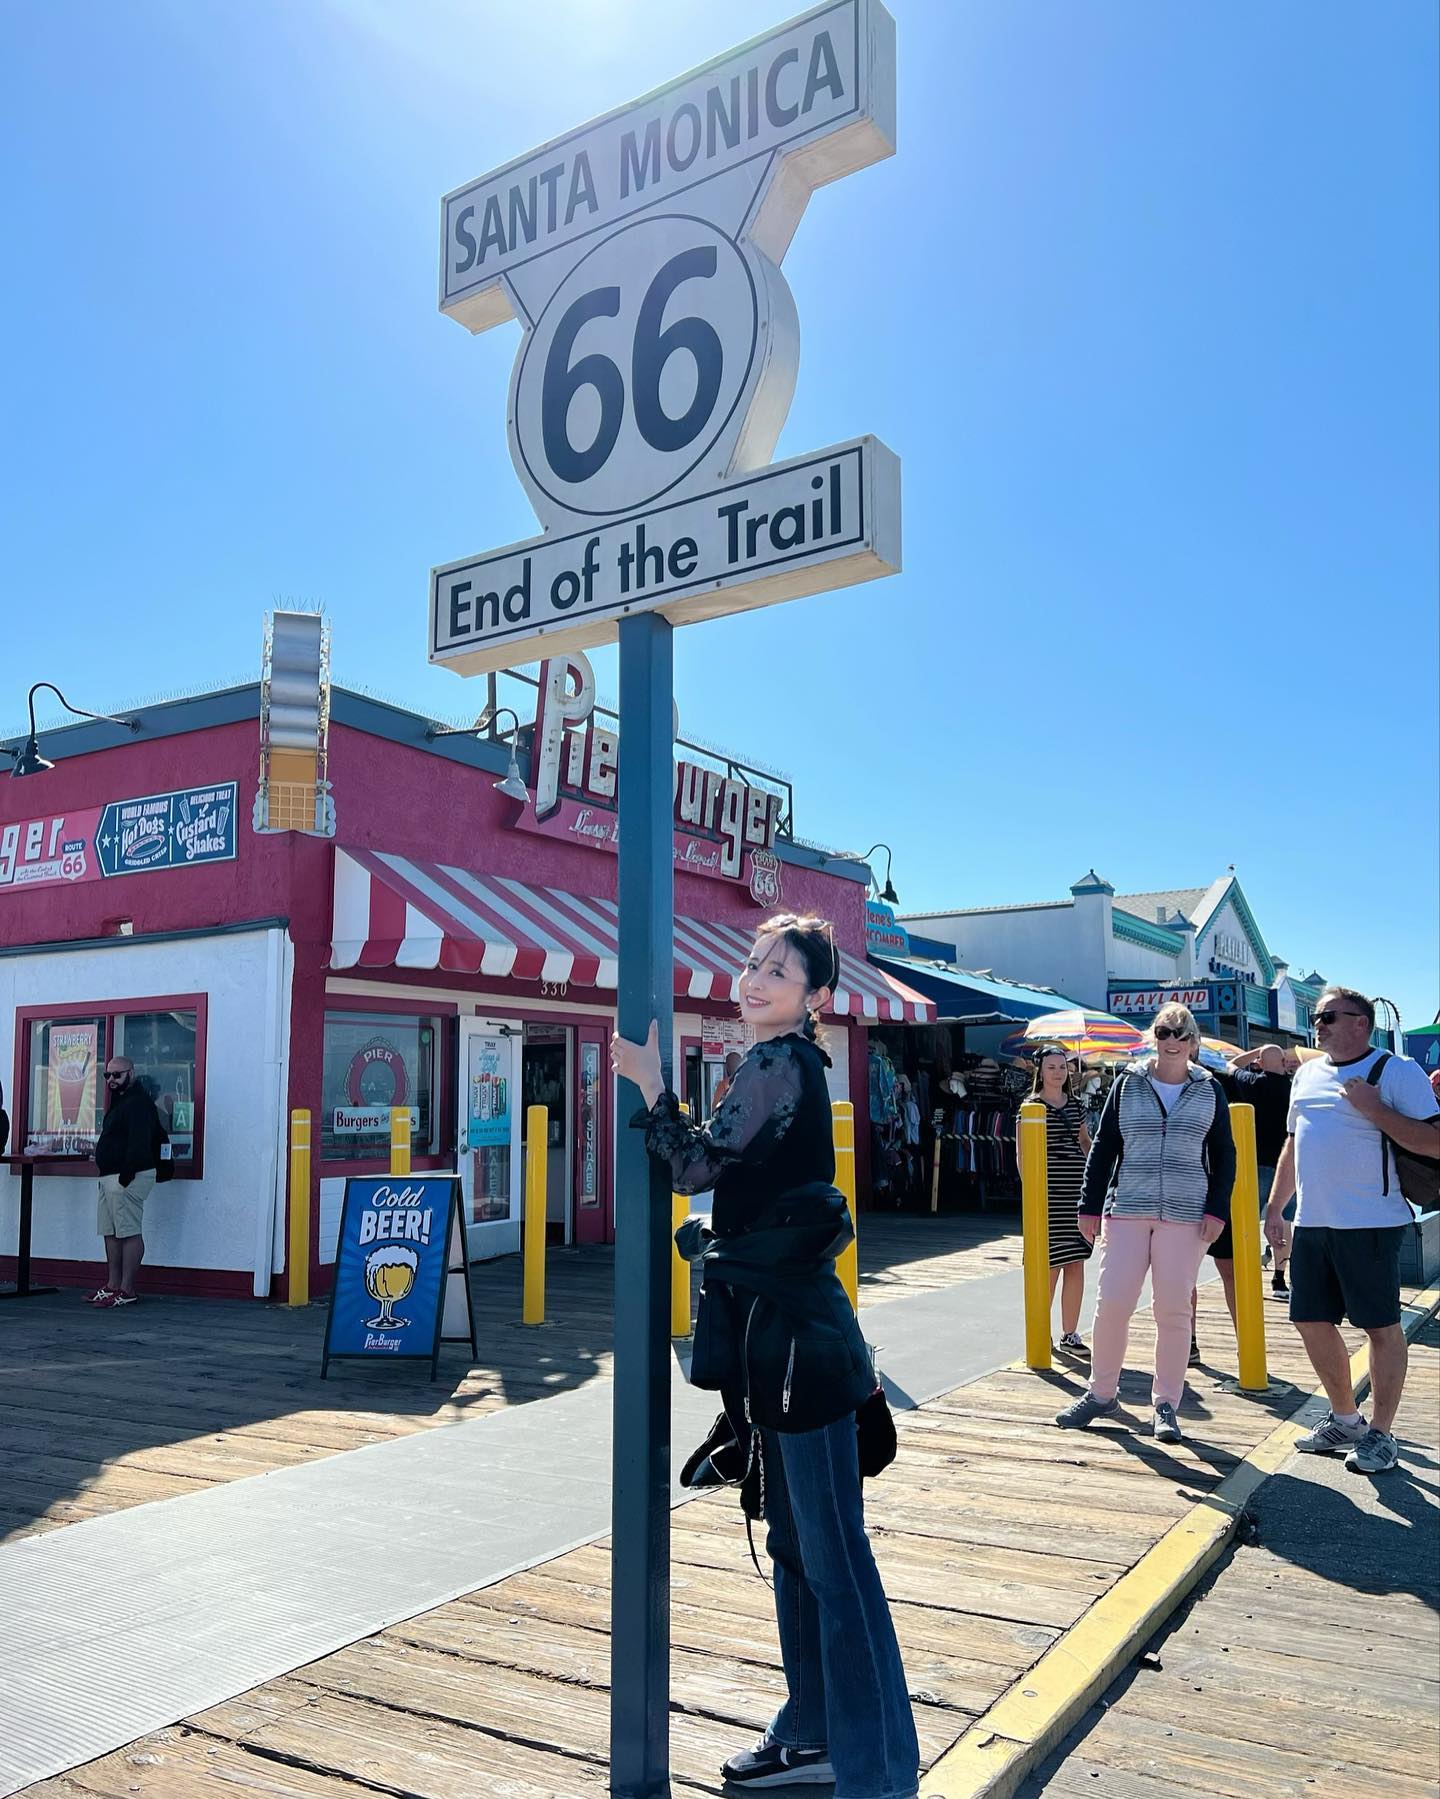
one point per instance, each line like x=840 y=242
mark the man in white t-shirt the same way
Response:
x=1351 y=1219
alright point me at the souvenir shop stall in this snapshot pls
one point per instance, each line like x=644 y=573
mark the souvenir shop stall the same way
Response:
x=942 y=1119
x=944 y=1100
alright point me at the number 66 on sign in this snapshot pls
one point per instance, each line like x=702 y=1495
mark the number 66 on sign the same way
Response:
x=641 y=255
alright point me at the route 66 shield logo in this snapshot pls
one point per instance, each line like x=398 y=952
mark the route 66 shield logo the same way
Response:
x=765 y=877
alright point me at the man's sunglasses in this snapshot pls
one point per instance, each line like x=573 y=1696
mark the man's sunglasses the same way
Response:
x=117 y=1075
x=1163 y=1033
x=1330 y=1017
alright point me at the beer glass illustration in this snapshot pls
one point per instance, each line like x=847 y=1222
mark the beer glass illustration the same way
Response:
x=390 y=1273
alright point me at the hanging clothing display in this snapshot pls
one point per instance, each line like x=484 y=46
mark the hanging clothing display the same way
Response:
x=985 y=1142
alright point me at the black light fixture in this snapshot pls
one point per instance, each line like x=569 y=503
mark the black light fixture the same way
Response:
x=29 y=761
x=888 y=895
x=513 y=784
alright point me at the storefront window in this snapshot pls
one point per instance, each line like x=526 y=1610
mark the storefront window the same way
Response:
x=162 y=1047
x=374 y=1061
x=64 y=1104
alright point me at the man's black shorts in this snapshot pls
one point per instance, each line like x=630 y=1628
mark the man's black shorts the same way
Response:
x=1223 y=1248
x=1346 y=1274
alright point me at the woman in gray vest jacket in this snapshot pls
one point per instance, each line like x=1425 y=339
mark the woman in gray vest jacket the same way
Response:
x=1160 y=1171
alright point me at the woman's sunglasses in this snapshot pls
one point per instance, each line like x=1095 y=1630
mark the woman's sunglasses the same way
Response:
x=1163 y=1033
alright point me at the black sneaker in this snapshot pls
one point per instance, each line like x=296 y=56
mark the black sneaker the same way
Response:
x=1167 y=1425
x=773 y=1765
x=1278 y=1285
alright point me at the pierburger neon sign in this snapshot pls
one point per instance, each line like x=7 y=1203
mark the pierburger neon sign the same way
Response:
x=723 y=827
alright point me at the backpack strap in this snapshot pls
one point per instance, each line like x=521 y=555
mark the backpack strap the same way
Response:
x=1373 y=1080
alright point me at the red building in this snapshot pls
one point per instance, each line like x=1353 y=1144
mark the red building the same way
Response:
x=440 y=952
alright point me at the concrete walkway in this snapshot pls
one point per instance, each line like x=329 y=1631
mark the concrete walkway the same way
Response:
x=124 y=1624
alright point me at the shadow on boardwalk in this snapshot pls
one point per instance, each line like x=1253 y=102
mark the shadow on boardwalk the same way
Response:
x=105 y=1410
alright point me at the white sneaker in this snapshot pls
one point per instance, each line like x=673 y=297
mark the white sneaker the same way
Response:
x=1330 y=1436
x=1376 y=1453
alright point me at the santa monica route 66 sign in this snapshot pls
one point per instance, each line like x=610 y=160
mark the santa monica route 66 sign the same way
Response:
x=641 y=255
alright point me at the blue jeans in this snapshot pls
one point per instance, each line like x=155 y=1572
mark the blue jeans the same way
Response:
x=845 y=1680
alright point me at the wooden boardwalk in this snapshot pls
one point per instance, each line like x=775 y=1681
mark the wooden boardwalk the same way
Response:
x=103 y=1410
x=1309 y=1664
x=994 y=1533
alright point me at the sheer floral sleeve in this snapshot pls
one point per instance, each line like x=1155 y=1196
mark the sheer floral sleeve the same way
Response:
x=746 y=1126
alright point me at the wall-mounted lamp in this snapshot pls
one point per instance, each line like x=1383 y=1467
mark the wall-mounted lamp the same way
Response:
x=512 y=785
x=888 y=895
x=29 y=761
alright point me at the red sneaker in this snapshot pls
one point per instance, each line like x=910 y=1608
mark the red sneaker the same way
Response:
x=124 y=1299
x=102 y=1296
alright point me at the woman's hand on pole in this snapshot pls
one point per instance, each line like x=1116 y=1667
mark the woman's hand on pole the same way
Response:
x=640 y=1063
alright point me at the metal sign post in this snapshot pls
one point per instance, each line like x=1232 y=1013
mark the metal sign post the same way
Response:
x=641 y=255
x=640 y=1502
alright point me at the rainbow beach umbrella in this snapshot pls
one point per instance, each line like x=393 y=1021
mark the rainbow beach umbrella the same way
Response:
x=1092 y=1036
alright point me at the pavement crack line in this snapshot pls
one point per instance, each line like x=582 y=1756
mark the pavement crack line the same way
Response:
x=411 y=1709
x=286 y=1758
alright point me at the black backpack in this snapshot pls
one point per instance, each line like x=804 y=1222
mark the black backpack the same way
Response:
x=1418 y=1176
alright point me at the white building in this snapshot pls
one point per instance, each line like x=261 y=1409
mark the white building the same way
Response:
x=1129 y=953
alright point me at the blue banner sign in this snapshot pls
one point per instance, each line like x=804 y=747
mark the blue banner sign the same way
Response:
x=167 y=830
x=884 y=934
x=400 y=1241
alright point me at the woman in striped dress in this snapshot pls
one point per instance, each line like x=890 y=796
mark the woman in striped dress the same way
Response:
x=1067 y=1143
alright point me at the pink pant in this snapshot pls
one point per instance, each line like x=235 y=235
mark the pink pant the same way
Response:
x=1170 y=1254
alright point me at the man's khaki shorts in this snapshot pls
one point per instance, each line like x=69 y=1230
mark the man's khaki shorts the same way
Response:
x=120 y=1209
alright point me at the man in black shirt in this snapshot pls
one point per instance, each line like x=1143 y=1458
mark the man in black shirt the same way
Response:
x=126 y=1154
x=1258 y=1078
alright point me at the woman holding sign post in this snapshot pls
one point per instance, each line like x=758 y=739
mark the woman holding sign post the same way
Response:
x=776 y=1335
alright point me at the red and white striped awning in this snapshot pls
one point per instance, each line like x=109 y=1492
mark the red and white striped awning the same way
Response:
x=394 y=912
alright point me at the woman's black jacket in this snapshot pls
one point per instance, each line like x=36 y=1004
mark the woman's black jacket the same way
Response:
x=775 y=1333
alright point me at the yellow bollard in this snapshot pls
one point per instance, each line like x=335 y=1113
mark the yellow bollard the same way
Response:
x=399 y=1139
x=1035 y=1214
x=1245 y=1233
x=537 y=1157
x=297 y=1253
x=679 y=1267
x=847 y=1263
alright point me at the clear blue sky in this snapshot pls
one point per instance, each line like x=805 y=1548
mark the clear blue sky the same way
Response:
x=1145 y=303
